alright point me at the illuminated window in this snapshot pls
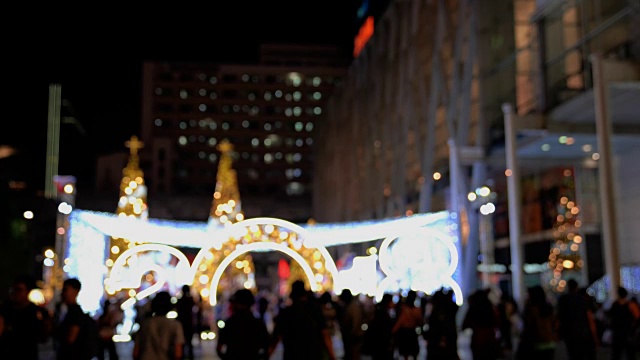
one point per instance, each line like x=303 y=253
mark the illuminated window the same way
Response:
x=317 y=95
x=184 y=94
x=278 y=155
x=182 y=140
x=278 y=94
x=213 y=95
x=267 y=126
x=183 y=125
x=236 y=108
x=309 y=127
x=245 y=124
x=213 y=80
x=295 y=188
x=296 y=157
x=225 y=126
x=297 y=96
x=202 y=92
x=299 y=142
x=317 y=81
x=317 y=110
x=213 y=157
x=297 y=111
x=213 y=125
x=255 y=142
x=267 y=96
x=245 y=77
x=202 y=155
x=268 y=158
x=212 y=142
x=298 y=126
x=288 y=97
x=158 y=122
x=288 y=112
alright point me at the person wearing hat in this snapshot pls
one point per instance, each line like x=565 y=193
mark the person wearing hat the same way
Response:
x=243 y=337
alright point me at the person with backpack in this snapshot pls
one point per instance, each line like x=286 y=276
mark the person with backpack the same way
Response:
x=76 y=331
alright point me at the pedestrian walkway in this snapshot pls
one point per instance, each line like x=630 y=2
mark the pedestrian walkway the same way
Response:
x=205 y=350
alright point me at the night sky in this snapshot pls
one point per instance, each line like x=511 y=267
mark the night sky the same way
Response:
x=96 y=54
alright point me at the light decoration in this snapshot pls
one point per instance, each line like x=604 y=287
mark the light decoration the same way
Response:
x=133 y=196
x=89 y=233
x=226 y=210
x=564 y=257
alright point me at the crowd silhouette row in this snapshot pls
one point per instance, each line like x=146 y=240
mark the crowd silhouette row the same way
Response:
x=324 y=326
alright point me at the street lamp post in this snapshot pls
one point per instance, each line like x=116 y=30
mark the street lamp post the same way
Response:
x=482 y=200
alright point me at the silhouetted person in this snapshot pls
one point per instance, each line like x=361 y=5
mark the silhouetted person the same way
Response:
x=69 y=322
x=107 y=322
x=23 y=324
x=538 y=340
x=624 y=316
x=243 y=337
x=574 y=323
x=301 y=328
x=482 y=319
x=378 y=337
x=184 y=307
x=409 y=318
x=351 y=320
x=442 y=335
x=159 y=337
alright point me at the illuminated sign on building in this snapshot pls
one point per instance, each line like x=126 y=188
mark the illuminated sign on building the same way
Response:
x=364 y=34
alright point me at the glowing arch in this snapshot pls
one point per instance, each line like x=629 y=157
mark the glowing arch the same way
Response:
x=263 y=234
x=243 y=249
x=393 y=276
x=117 y=278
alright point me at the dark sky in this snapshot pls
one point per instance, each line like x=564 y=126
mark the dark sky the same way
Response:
x=96 y=54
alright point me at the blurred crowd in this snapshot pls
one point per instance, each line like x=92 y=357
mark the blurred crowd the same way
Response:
x=308 y=325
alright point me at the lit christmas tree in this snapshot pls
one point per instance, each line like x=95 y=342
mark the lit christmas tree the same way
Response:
x=226 y=209
x=133 y=197
x=564 y=257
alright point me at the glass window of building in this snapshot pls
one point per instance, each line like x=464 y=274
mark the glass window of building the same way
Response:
x=202 y=154
x=202 y=92
x=158 y=122
x=297 y=95
x=309 y=141
x=278 y=94
x=267 y=126
x=317 y=95
x=184 y=94
x=183 y=125
x=213 y=95
x=182 y=140
x=297 y=111
x=298 y=126
x=288 y=112
x=245 y=78
x=251 y=96
x=309 y=127
x=202 y=107
x=212 y=141
x=267 y=95
x=193 y=123
x=278 y=155
x=225 y=126
x=317 y=81
x=268 y=158
x=245 y=124
x=158 y=91
x=213 y=80
x=288 y=97
x=317 y=110
x=255 y=142
x=295 y=188
x=297 y=157
x=202 y=76
x=213 y=157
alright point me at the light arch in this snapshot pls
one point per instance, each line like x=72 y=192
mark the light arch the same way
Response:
x=257 y=246
x=263 y=234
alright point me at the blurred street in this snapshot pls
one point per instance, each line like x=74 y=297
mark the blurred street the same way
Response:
x=205 y=350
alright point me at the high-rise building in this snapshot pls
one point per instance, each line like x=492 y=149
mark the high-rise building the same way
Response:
x=419 y=126
x=267 y=111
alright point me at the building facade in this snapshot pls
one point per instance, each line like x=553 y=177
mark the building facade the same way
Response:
x=268 y=111
x=420 y=124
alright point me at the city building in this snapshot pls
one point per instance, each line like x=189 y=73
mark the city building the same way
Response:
x=268 y=111
x=419 y=126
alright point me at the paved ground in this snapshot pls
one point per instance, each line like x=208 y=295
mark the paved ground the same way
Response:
x=205 y=350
